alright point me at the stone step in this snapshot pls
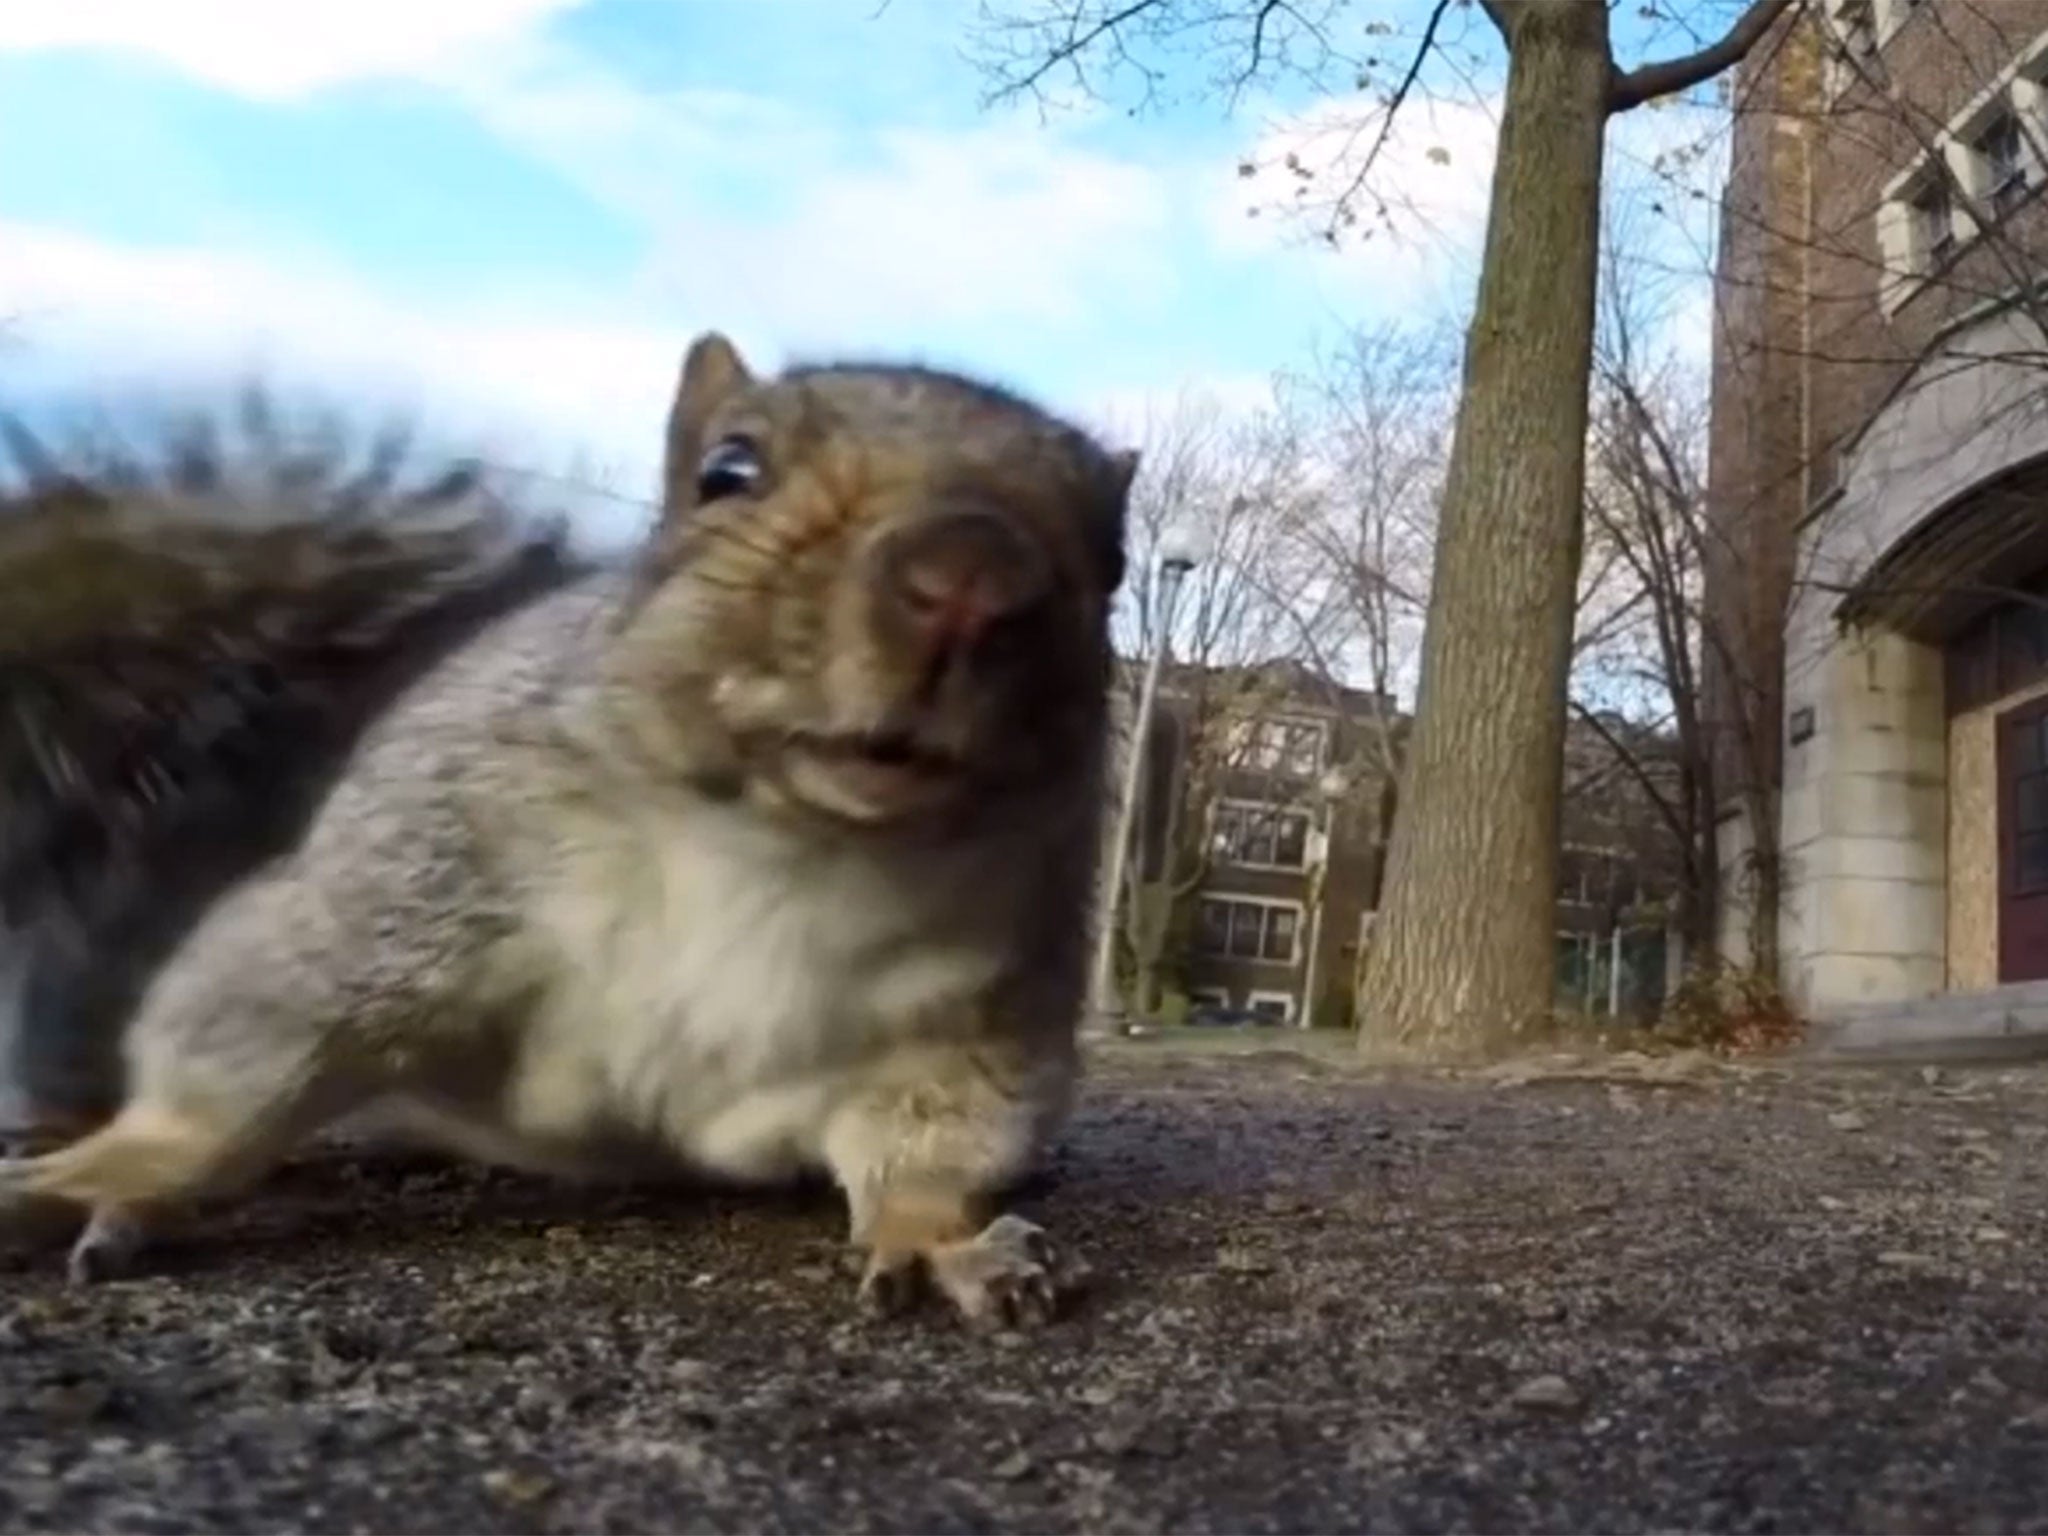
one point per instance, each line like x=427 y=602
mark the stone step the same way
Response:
x=2000 y=1024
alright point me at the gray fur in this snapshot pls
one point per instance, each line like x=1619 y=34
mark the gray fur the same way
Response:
x=190 y=642
x=633 y=863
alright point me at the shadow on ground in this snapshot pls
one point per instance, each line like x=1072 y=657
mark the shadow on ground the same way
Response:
x=1732 y=1301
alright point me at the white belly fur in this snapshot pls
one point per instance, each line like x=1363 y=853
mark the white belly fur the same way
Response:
x=721 y=987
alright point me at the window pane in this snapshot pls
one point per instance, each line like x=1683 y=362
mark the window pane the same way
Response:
x=1272 y=742
x=2001 y=145
x=1937 y=233
x=1280 y=933
x=2000 y=148
x=1213 y=927
x=2031 y=865
x=1244 y=929
x=1229 y=831
x=1291 y=841
x=2023 y=629
x=2032 y=802
x=1258 y=838
x=2025 y=740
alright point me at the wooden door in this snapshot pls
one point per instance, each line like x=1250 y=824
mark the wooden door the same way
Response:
x=2023 y=843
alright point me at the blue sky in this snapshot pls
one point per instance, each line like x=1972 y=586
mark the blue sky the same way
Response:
x=521 y=210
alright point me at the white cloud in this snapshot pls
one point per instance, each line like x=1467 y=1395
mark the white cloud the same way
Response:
x=273 y=51
x=988 y=227
x=536 y=394
x=1416 y=248
x=771 y=215
x=563 y=393
x=771 y=218
x=1422 y=211
x=765 y=218
x=1133 y=415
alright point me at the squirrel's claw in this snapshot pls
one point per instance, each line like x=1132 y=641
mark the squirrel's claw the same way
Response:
x=107 y=1249
x=891 y=1284
x=1009 y=1275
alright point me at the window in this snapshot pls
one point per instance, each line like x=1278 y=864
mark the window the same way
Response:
x=1263 y=835
x=1896 y=14
x=1573 y=882
x=1575 y=961
x=2024 y=629
x=1280 y=746
x=1239 y=928
x=1852 y=37
x=2030 y=807
x=1934 y=231
x=2005 y=164
x=1855 y=26
x=1592 y=877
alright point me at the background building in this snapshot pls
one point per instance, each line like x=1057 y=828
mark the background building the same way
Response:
x=1879 y=453
x=1265 y=804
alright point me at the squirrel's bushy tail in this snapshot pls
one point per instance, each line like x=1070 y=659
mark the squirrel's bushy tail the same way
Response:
x=190 y=642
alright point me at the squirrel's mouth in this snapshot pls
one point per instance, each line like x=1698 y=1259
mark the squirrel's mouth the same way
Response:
x=870 y=776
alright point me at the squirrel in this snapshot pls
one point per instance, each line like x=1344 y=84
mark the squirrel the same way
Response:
x=767 y=850
x=187 y=651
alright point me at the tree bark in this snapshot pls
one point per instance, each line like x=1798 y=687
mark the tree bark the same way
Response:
x=1464 y=948
x=1766 y=880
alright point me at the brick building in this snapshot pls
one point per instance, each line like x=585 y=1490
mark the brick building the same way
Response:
x=1258 y=848
x=1619 y=869
x=1878 y=455
x=1260 y=840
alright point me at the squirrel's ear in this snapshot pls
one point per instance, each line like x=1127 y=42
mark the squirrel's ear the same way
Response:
x=712 y=373
x=1123 y=469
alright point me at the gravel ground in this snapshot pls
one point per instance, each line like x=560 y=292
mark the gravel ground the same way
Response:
x=1660 y=1299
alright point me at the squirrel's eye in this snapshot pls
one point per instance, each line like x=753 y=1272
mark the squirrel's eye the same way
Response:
x=731 y=467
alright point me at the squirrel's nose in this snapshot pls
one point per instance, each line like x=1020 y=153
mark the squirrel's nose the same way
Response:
x=954 y=576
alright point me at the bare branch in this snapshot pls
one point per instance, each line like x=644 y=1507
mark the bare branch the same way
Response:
x=1079 y=39
x=1394 y=103
x=1670 y=76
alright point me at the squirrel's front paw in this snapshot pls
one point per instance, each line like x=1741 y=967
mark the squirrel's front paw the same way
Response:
x=1008 y=1275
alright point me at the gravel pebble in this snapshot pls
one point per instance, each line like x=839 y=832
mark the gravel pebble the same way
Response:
x=1545 y=1392
x=1325 y=1300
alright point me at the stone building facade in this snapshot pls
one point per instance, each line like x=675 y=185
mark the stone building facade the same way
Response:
x=1878 y=458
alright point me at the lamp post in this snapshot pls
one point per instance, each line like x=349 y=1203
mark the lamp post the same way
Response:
x=1330 y=790
x=1175 y=562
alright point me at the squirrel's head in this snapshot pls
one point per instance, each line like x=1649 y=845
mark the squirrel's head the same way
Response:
x=885 y=589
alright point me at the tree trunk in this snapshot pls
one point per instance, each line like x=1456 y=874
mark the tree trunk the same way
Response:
x=1465 y=948
x=1701 y=922
x=1766 y=879
x=1145 y=991
x=1386 y=812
